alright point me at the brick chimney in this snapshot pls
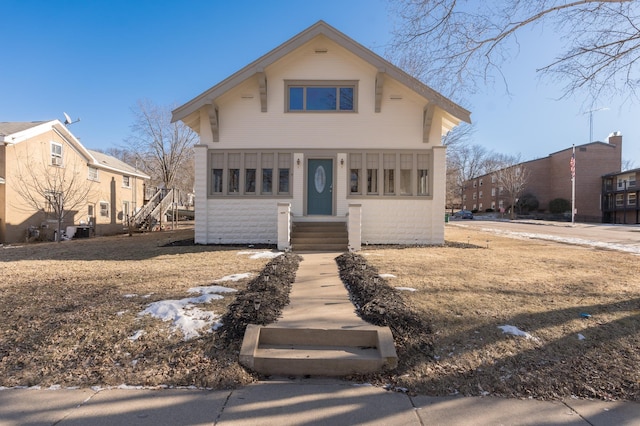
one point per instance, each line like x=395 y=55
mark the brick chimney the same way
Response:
x=615 y=138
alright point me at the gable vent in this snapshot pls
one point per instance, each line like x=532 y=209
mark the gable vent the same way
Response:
x=321 y=50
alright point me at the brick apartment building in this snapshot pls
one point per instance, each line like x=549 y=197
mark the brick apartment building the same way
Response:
x=550 y=178
x=621 y=197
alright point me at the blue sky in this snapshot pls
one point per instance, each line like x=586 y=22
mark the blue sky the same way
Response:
x=95 y=59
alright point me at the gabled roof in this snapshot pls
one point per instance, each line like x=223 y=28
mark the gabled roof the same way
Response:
x=8 y=128
x=16 y=132
x=320 y=28
x=105 y=161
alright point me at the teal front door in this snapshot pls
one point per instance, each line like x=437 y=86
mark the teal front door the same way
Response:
x=320 y=187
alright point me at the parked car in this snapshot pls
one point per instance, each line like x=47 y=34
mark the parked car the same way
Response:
x=463 y=214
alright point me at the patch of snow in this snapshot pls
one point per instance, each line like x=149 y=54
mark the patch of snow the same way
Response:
x=121 y=313
x=405 y=288
x=146 y=296
x=511 y=329
x=54 y=387
x=129 y=295
x=581 y=337
x=260 y=254
x=387 y=276
x=362 y=385
x=136 y=335
x=568 y=240
x=186 y=317
x=233 y=277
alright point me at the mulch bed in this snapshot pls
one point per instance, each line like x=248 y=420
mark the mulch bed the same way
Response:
x=263 y=299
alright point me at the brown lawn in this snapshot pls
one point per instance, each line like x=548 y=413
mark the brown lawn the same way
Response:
x=69 y=310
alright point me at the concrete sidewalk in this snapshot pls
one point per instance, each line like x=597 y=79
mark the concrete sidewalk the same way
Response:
x=295 y=402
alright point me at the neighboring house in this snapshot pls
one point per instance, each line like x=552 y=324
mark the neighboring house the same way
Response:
x=320 y=129
x=550 y=178
x=109 y=190
x=621 y=197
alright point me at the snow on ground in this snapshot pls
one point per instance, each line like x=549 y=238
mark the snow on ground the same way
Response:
x=567 y=240
x=405 y=288
x=387 y=276
x=511 y=329
x=184 y=315
x=260 y=254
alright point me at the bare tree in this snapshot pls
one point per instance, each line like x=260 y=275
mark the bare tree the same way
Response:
x=58 y=191
x=164 y=150
x=454 y=45
x=463 y=164
x=513 y=179
x=628 y=164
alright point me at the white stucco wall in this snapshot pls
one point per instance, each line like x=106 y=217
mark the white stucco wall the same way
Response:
x=243 y=125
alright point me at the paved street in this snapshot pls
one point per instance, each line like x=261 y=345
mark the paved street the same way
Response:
x=615 y=237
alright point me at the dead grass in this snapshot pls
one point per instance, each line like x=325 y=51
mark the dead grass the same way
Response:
x=541 y=288
x=69 y=309
x=66 y=319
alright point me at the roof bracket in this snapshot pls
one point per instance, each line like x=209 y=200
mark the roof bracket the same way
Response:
x=379 y=83
x=262 y=83
x=213 y=121
x=426 y=123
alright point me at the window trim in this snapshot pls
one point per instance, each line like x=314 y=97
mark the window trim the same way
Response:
x=104 y=203
x=95 y=178
x=368 y=158
x=277 y=165
x=56 y=159
x=305 y=84
x=128 y=183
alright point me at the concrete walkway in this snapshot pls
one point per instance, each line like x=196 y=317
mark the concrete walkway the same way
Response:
x=319 y=298
x=295 y=402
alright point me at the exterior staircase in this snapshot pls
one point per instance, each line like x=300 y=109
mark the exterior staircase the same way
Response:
x=273 y=350
x=153 y=211
x=319 y=236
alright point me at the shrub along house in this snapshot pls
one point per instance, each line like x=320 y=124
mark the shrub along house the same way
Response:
x=320 y=130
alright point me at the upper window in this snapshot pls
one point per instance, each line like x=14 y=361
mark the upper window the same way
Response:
x=56 y=154
x=126 y=181
x=93 y=173
x=319 y=96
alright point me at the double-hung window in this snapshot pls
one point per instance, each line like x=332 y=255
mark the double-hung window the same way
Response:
x=126 y=181
x=423 y=174
x=93 y=173
x=321 y=96
x=56 y=154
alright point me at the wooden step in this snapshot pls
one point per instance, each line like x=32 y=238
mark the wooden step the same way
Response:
x=322 y=236
x=319 y=352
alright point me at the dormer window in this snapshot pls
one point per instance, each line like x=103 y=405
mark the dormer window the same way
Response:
x=321 y=96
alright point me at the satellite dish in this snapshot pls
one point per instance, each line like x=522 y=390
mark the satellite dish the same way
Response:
x=67 y=119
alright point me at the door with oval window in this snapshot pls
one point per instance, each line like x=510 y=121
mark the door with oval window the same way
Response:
x=320 y=187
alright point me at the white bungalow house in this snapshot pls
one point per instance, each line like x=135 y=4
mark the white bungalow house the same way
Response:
x=320 y=129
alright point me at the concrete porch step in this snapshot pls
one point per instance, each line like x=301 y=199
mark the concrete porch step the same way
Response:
x=319 y=247
x=273 y=350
